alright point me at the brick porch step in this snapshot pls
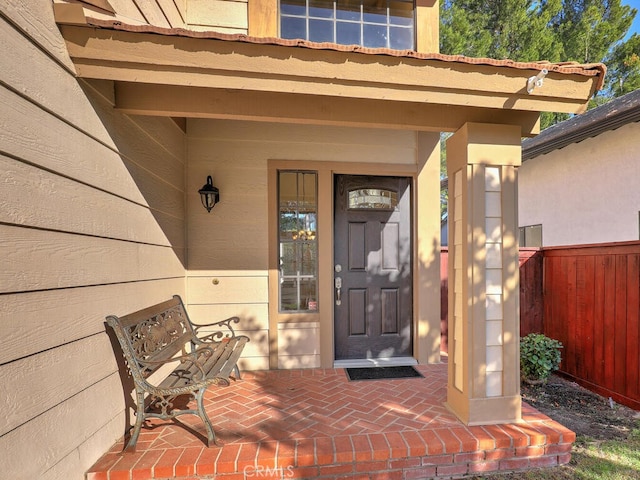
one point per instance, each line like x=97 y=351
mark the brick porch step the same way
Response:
x=315 y=424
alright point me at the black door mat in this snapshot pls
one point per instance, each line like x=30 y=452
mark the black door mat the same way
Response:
x=381 y=373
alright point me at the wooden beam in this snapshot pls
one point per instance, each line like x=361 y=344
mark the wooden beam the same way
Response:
x=428 y=26
x=198 y=102
x=173 y=60
x=263 y=18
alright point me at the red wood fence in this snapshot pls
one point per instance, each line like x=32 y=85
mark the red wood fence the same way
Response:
x=587 y=297
x=592 y=305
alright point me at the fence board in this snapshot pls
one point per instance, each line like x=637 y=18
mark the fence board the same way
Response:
x=598 y=320
x=633 y=324
x=592 y=306
x=531 y=307
x=609 y=320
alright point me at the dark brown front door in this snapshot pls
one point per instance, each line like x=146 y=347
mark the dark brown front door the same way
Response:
x=372 y=267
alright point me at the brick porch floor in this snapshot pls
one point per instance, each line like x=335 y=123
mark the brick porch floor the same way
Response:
x=317 y=424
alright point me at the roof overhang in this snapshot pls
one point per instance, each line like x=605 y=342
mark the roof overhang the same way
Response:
x=182 y=73
x=610 y=116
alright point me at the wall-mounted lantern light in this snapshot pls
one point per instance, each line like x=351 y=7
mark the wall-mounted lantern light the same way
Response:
x=209 y=194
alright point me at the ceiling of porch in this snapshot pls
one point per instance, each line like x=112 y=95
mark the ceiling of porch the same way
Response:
x=180 y=73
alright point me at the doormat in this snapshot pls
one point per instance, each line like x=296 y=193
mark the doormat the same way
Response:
x=381 y=373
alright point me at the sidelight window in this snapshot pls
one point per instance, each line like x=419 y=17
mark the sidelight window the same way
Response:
x=298 y=240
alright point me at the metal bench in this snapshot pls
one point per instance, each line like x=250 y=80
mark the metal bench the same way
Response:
x=162 y=335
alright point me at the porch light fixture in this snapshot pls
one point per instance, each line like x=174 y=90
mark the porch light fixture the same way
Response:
x=209 y=195
x=536 y=80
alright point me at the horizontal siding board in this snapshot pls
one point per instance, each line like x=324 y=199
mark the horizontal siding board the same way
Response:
x=35 y=19
x=22 y=63
x=152 y=12
x=128 y=9
x=240 y=290
x=42 y=260
x=61 y=148
x=29 y=451
x=38 y=321
x=168 y=136
x=59 y=203
x=155 y=177
x=253 y=316
x=172 y=12
x=85 y=455
x=40 y=382
x=234 y=257
x=145 y=156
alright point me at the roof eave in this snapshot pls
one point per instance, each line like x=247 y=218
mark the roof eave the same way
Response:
x=141 y=54
x=610 y=116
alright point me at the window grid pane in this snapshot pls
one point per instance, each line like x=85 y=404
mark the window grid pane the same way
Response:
x=389 y=24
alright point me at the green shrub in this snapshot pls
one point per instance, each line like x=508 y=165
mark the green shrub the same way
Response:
x=539 y=356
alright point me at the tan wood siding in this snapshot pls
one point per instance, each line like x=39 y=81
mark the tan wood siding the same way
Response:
x=83 y=417
x=152 y=13
x=217 y=15
x=92 y=222
x=172 y=12
x=46 y=312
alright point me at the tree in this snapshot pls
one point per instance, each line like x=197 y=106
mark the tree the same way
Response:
x=589 y=29
x=584 y=31
x=623 y=74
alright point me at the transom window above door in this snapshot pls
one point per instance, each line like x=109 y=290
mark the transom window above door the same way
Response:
x=368 y=23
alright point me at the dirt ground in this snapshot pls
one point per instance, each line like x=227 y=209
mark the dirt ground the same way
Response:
x=580 y=410
x=591 y=416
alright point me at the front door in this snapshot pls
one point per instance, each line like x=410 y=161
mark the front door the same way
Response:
x=372 y=267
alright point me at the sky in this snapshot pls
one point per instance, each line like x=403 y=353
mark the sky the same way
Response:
x=635 y=27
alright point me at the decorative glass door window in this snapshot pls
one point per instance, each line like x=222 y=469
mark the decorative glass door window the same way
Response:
x=372 y=199
x=298 y=240
x=369 y=23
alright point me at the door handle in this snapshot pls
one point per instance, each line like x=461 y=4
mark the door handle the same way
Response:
x=338 y=283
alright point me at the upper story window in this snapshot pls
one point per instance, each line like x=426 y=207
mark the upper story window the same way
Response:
x=369 y=23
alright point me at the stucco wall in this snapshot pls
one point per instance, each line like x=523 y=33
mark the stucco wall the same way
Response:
x=91 y=223
x=586 y=192
x=228 y=248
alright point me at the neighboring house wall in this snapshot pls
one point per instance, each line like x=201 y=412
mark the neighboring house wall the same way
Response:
x=91 y=223
x=586 y=192
x=230 y=244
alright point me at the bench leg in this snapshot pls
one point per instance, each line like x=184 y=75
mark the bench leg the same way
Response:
x=211 y=436
x=131 y=445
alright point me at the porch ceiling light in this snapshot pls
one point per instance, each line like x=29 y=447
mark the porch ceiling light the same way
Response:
x=209 y=195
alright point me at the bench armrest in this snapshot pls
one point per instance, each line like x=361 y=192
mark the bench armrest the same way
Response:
x=196 y=359
x=225 y=330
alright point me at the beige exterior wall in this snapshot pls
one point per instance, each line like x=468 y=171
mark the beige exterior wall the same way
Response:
x=228 y=249
x=91 y=223
x=586 y=192
x=226 y=16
